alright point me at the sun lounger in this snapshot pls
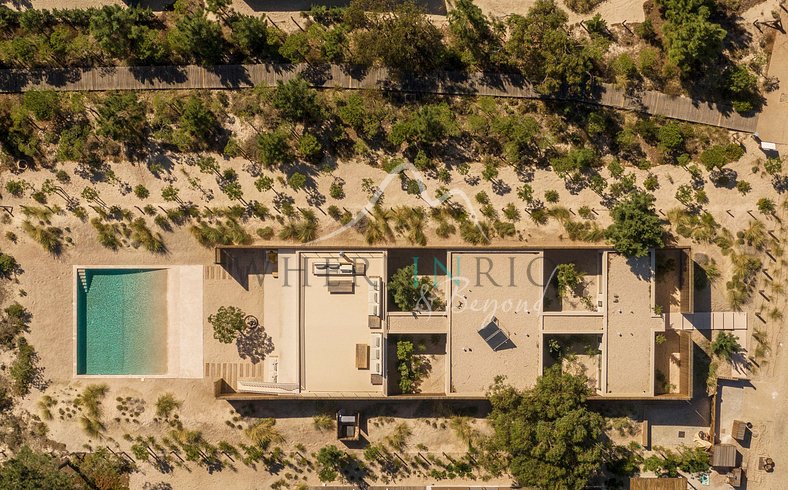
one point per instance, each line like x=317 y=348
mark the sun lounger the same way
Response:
x=376 y=353
x=493 y=335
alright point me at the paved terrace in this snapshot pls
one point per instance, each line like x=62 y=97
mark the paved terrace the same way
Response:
x=333 y=324
x=508 y=286
x=333 y=76
x=631 y=326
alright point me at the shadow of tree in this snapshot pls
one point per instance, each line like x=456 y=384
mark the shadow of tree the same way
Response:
x=254 y=344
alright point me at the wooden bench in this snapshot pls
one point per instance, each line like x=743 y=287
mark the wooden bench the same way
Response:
x=362 y=356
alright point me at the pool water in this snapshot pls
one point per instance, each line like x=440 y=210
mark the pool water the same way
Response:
x=121 y=321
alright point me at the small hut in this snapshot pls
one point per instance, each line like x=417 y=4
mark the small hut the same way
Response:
x=739 y=430
x=348 y=426
x=723 y=456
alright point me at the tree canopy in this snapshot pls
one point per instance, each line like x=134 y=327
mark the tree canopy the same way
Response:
x=30 y=470
x=636 y=227
x=403 y=39
x=473 y=33
x=546 y=435
x=693 y=40
x=547 y=54
x=227 y=322
x=197 y=39
x=430 y=124
x=296 y=101
x=122 y=118
x=126 y=33
x=410 y=291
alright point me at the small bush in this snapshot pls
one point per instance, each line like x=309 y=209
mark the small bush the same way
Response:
x=582 y=6
x=141 y=191
x=266 y=233
x=337 y=189
x=24 y=370
x=8 y=265
x=166 y=404
x=15 y=187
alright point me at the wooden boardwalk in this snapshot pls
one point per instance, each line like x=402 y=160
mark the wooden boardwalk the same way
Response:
x=444 y=83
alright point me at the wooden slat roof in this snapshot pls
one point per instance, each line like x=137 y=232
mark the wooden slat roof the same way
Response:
x=657 y=483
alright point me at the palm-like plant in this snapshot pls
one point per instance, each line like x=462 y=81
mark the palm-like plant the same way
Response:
x=476 y=233
x=377 y=228
x=412 y=221
x=755 y=234
x=307 y=226
x=289 y=231
x=725 y=346
x=304 y=229
x=263 y=433
x=705 y=229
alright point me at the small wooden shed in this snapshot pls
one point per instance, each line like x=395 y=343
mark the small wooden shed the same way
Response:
x=739 y=430
x=723 y=456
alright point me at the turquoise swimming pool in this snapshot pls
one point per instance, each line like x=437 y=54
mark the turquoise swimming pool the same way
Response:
x=121 y=321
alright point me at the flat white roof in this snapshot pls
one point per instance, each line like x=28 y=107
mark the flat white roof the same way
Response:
x=333 y=323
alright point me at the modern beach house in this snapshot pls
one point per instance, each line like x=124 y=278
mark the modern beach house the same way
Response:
x=330 y=328
x=325 y=323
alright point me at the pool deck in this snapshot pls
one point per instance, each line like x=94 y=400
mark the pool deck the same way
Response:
x=184 y=321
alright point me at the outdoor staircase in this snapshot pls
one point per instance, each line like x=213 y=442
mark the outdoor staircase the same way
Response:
x=83 y=278
x=216 y=273
x=232 y=372
x=246 y=386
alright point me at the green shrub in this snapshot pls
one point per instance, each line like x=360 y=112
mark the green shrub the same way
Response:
x=24 y=370
x=310 y=148
x=166 y=404
x=582 y=6
x=8 y=265
x=15 y=187
x=266 y=233
x=551 y=196
x=141 y=191
x=567 y=278
x=228 y=322
x=766 y=205
x=408 y=366
x=718 y=156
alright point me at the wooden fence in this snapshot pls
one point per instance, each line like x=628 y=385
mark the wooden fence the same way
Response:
x=445 y=83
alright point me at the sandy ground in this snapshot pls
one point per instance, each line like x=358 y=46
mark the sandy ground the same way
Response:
x=760 y=401
x=45 y=287
x=629 y=328
x=512 y=302
x=773 y=121
x=613 y=11
x=47 y=280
